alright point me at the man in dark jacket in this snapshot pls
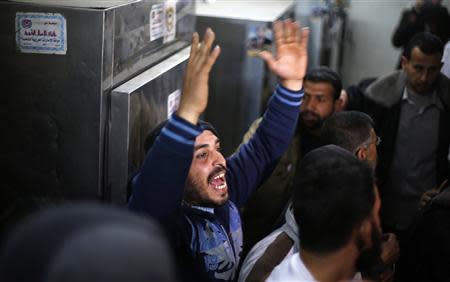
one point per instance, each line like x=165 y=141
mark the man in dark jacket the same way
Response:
x=426 y=15
x=411 y=113
x=186 y=183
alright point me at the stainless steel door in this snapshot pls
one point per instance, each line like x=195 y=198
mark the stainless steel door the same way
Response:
x=137 y=107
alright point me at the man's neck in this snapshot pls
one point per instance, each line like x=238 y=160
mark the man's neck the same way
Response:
x=338 y=266
x=314 y=132
x=413 y=92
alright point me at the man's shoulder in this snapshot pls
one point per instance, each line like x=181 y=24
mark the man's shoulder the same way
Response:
x=291 y=269
x=256 y=253
x=443 y=87
x=388 y=89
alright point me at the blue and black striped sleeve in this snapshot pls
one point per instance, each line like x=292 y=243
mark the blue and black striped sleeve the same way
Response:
x=253 y=160
x=158 y=187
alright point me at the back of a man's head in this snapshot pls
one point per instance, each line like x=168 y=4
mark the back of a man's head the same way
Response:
x=334 y=194
x=347 y=129
x=327 y=75
x=86 y=242
x=428 y=44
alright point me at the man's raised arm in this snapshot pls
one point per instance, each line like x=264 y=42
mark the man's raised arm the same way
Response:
x=158 y=187
x=277 y=127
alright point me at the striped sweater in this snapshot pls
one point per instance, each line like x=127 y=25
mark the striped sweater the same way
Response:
x=209 y=240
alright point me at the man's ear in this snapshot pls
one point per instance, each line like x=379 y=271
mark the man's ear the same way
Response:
x=404 y=62
x=341 y=103
x=361 y=153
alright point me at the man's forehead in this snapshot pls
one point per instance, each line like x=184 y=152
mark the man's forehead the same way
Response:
x=207 y=136
x=420 y=58
x=321 y=88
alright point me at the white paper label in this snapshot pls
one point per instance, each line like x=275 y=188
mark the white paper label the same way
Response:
x=173 y=102
x=42 y=33
x=170 y=24
x=156 y=22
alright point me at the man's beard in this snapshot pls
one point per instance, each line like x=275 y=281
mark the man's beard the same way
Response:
x=368 y=262
x=191 y=194
x=195 y=195
x=313 y=124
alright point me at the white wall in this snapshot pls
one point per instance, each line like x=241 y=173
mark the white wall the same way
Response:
x=368 y=51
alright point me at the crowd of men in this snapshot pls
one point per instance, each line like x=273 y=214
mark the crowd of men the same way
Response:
x=338 y=192
x=332 y=185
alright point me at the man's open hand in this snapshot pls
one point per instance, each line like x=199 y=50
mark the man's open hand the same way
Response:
x=430 y=194
x=291 y=57
x=390 y=250
x=195 y=89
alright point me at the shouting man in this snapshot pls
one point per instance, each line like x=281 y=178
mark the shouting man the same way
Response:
x=187 y=184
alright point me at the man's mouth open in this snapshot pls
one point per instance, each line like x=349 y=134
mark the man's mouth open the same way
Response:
x=218 y=182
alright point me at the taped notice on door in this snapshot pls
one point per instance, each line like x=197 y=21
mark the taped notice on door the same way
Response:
x=170 y=21
x=42 y=33
x=156 y=22
x=163 y=21
x=173 y=102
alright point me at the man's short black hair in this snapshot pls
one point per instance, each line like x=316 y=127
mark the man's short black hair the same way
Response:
x=333 y=194
x=327 y=75
x=347 y=129
x=428 y=44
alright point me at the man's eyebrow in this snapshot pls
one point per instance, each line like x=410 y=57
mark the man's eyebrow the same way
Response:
x=315 y=95
x=200 y=146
